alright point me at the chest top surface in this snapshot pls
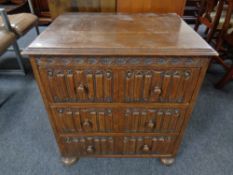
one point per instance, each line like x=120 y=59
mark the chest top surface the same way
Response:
x=119 y=34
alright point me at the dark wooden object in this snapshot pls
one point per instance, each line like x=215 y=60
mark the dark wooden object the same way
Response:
x=228 y=38
x=48 y=10
x=58 y=7
x=204 y=17
x=191 y=11
x=226 y=78
x=12 y=8
x=18 y=1
x=223 y=34
x=42 y=11
x=156 y=6
x=123 y=86
x=212 y=23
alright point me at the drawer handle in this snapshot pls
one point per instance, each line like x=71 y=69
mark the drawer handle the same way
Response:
x=83 y=88
x=109 y=74
x=150 y=124
x=129 y=74
x=90 y=149
x=87 y=124
x=157 y=90
x=145 y=148
x=187 y=74
x=50 y=73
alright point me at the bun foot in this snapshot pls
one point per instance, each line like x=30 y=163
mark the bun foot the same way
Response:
x=69 y=160
x=167 y=161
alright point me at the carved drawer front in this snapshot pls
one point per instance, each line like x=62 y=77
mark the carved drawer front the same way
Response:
x=88 y=146
x=85 y=82
x=123 y=119
x=78 y=85
x=170 y=85
x=70 y=120
x=153 y=120
x=148 y=145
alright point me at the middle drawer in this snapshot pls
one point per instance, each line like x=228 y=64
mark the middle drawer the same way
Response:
x=118 y=119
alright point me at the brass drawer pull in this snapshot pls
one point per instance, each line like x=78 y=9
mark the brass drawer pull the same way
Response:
x=157 y=90
x=145 y=148
x=109 y=74
x=187 y=74
x=50 y=73
x=87 y=124
x=150 y=124
x=90 y=149
x=83 y=88
x=60 y=111
x=129 y=74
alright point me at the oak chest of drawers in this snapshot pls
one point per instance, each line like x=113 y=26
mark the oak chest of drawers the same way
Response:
x=119 y=85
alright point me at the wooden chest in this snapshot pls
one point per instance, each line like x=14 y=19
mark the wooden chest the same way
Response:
x=119 y=85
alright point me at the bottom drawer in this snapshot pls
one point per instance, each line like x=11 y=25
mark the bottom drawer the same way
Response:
x=117 y=145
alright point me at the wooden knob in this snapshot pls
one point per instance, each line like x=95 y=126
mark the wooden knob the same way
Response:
x=145 y=148
x=90 y=149
x=87 y=124
x=157 y=90
x=150 y=124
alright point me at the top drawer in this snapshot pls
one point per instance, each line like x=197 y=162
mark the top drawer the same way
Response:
x=77 y=80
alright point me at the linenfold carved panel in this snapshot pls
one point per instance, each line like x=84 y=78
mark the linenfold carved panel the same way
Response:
x=89 y=145
x=148 y=145
x=74 y=120
x=119 y=145
x=153 y=120
x=156 y=120
x=79 y=85
x=174 y=85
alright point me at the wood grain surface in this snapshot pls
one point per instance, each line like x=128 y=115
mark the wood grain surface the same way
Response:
x=136 y=103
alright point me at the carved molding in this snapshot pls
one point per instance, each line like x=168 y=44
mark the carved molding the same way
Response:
x=82 y=139
x=156 y=138
x=174 y=112
x=123 y=61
